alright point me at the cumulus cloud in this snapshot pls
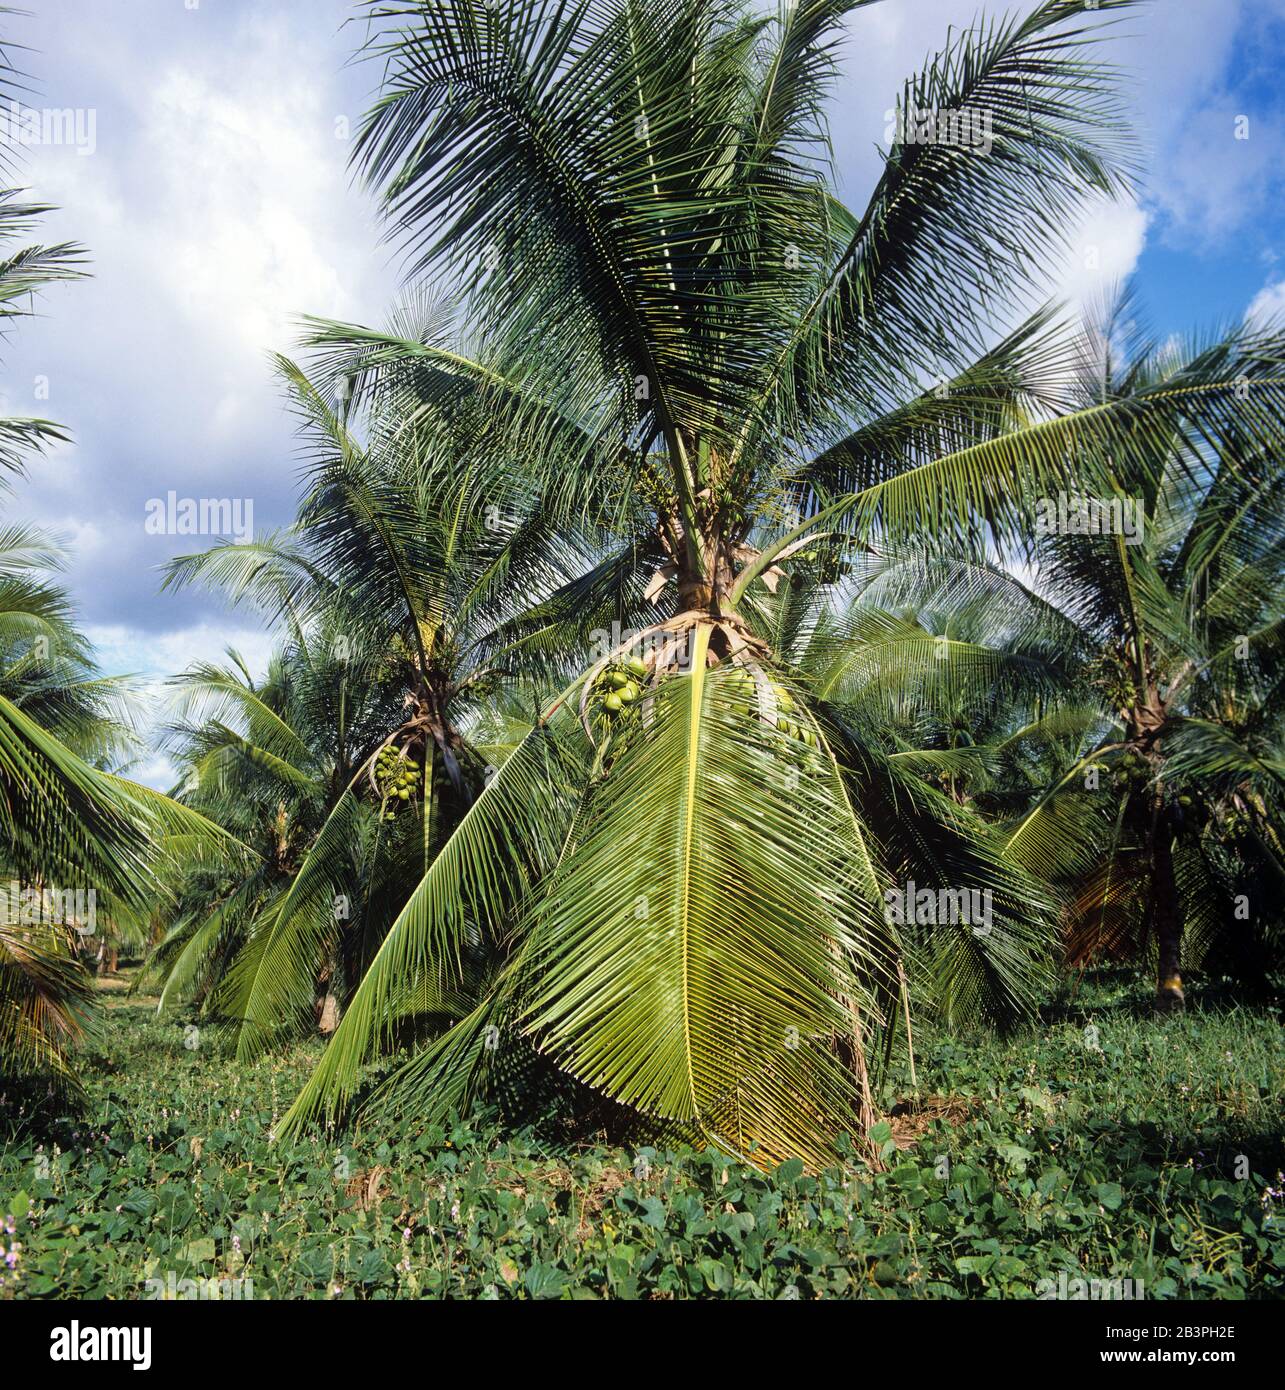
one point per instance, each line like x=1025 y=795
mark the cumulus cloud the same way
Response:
x=217 y=206
x=1105 y=251
x=1268 y=305
x=1205 y=101
x=1210 y=104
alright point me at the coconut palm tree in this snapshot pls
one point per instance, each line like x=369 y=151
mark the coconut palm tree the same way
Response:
x=47 y=678
x=1168 y=821
x=268 y=760
x=699 y=351
x=1153 y=803
x=72 y=825
x=351 y=764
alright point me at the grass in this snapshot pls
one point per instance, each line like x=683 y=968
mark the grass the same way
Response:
x=1103 y=1144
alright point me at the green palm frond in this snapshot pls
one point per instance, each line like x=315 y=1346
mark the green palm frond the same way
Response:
x=654 y=989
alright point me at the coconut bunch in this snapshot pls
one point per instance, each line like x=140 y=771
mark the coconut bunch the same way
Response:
x=396 y=777
x=1237 y=826
x=619 y=687
x=1132 y=768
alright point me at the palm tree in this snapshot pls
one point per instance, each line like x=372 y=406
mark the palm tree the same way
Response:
x=267 y=760
x=1170 y=815
x=46 y=676
x=700 y=354
x=81 y=844
x=71 y=824
x=351 y=764
x=1151 y=796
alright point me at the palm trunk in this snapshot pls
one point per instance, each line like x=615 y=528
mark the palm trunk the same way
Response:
x=325 y=1006
x=1144 y=726
x=1166 y=920
x=428 y=803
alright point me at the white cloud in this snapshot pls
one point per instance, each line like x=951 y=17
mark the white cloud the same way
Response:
x=217 y=206
x=1174 y=60
x=152 y=658
x=253 y=186
x=1268 y=304
x=1104 y=253
x=157 y=655
x=1212 y=183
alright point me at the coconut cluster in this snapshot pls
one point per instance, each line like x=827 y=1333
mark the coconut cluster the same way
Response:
x=619 y=688
x=1237 y=826
x=398 y=776
x=1133 y=768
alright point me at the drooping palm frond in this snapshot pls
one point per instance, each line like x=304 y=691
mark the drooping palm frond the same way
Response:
x=655 y=989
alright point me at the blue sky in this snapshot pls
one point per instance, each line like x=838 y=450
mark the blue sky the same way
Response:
x=217 y=205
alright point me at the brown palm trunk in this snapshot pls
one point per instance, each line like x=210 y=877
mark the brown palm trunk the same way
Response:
x=1166 y=919
x=1144 y=725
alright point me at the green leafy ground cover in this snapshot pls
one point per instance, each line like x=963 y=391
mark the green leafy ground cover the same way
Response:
x=1103 y=1144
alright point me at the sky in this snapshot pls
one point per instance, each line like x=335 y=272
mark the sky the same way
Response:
x=208 y=176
